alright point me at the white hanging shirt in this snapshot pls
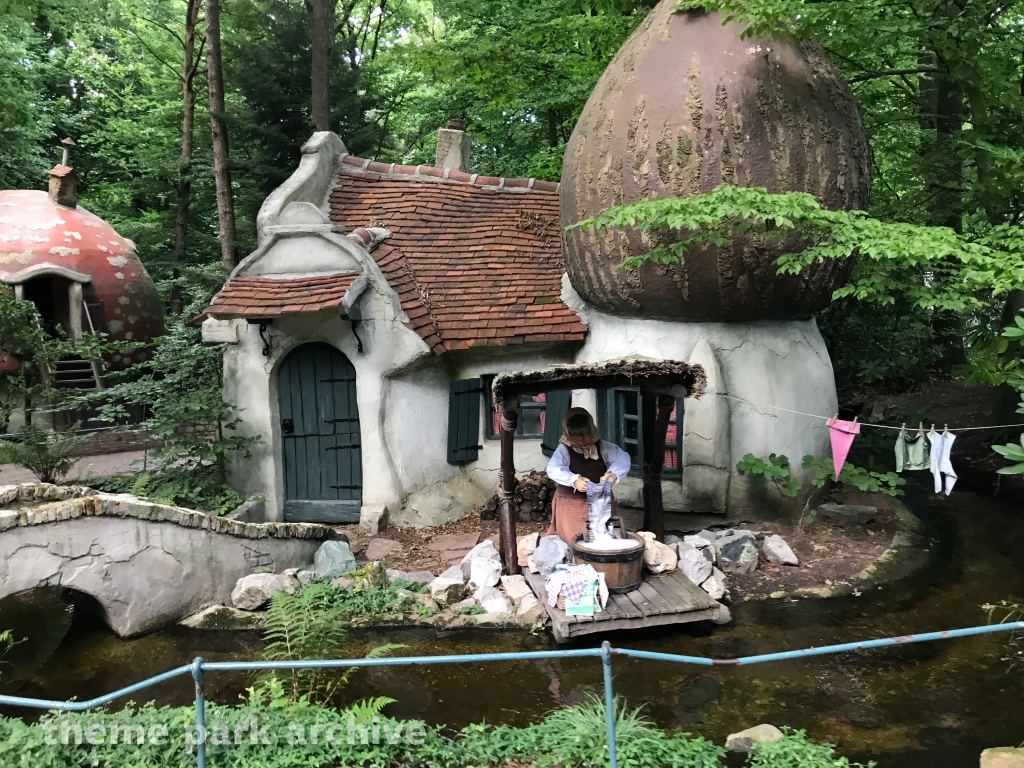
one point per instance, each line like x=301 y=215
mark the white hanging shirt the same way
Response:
x=942 y=468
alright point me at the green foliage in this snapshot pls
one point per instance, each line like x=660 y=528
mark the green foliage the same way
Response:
x=853 y=476
x=576 y=737
x=412 y=586
x=959 y=268
x=793 y=750
x=1014 y=453
x=776 y=471
x=48 y=454
x=311 y=625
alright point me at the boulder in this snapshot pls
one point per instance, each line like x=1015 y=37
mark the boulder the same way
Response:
x=699 y=541
x=334 y=558
x=453 y=547
x=484 y=549
x=416 y=577
x=722 y=616
x=429 y=602
x=672 y=539
x=681 y=546
x=1002 y=757
x=530 y=611
x=469 y=602
x=715 y=585
x=224 y=617
x=515 y=587
x=373 y=519
x=551 y=551
x=305 y=576
x=492 y=600
x=695 y=566
x=381 y=549
x=455 y=572
x=440 y=503
x=447 y=591
x=777 y=551
x=855 y=514
x=255 y=590
x=484 y=572
x=525 y=546
x=658 y=557
x=493 y=619
x=759 y=734
x=407 y=595
x=737 y=552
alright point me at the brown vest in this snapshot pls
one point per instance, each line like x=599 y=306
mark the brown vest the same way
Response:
x=592 y=469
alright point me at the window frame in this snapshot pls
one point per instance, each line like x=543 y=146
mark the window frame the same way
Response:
x=490 y=433
x=612 y=420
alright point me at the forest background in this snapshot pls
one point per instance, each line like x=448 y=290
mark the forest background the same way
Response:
x=187 y=113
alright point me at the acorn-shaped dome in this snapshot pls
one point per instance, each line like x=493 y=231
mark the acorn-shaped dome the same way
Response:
x=685 y=106
x=48 y=249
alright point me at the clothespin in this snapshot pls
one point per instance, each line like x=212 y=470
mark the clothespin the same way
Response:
x=855 y=419
x=903 y=428
x=932 y=430
x=920 y=428
x=946 y=430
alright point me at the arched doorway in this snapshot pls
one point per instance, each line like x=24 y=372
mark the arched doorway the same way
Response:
x=320 y=451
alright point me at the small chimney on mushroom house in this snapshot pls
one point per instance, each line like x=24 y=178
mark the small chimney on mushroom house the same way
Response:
x=453 y=145
x=63 y=179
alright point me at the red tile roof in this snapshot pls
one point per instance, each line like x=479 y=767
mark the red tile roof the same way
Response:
x=256 y=297
x=476 y=260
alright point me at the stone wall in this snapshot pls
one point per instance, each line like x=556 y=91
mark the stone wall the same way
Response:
x=146 y=564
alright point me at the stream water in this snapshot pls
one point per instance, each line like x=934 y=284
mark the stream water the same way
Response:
x=936 y=704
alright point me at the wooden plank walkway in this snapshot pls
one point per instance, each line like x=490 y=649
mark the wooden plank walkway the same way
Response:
x=660 y=600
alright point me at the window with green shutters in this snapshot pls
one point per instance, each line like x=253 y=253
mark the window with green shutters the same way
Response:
x=621 y=422
x=464 y=420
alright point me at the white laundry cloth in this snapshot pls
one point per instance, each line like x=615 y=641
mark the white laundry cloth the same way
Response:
x=942 y=468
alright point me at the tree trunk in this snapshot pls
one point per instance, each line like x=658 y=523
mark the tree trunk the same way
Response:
x=321 y=38
x=219 y=132
x=189 y=65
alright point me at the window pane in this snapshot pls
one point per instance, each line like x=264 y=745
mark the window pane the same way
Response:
x=531 y=422
x=632 y=429
x=629 y=403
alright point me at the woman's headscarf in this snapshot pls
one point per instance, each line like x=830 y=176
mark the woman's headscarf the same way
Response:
x=587 y=445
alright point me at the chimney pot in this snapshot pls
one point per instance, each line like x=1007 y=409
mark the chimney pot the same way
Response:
x=453 y=146
x=63 y=188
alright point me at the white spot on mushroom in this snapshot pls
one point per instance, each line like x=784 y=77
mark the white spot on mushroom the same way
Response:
x=103 y=248
x=117 y=261
x=117 y=311
x=123 y=300
x=75 y=235
x=38 y=224
x=39 y=239
x=119 y=275
x=63 y=251
x=129 y=335
x=9 y=238
x=115 y=326
x=132 y=319
x=90 y=224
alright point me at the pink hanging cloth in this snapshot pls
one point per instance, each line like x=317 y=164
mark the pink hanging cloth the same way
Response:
x=843 y=434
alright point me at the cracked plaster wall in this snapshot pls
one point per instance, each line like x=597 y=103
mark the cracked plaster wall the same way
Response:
x=145 y=575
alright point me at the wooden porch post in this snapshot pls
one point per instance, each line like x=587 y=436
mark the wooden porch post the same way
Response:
x=655 y=415
x=506 y=487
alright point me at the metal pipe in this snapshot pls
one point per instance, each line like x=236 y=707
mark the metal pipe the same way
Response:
x=609 y=704
x=81 y=706
x=197 y=675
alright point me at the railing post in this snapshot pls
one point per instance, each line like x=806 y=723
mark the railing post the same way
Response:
x=197 y=675
x=609 y=703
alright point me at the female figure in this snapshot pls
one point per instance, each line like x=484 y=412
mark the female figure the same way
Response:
x=581 y=456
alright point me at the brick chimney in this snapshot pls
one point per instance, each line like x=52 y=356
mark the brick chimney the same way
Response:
x=64 y=180
x=453 y=145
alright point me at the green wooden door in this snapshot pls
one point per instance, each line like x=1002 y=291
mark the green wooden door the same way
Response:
x=323 y=473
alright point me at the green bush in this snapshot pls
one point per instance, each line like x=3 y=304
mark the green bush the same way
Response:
x=793 y=750
x=46 y=454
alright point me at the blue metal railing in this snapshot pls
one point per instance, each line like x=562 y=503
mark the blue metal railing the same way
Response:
x=199 y=667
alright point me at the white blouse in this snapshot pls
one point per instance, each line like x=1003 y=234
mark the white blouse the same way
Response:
x=617 y=460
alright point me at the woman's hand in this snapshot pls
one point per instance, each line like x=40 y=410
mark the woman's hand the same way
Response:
x=580 y=484
x=610 y=476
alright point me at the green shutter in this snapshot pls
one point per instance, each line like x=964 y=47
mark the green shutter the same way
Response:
x=557 y=403
x=464 y=420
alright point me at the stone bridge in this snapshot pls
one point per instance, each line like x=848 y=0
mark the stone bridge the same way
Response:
x=147 y=565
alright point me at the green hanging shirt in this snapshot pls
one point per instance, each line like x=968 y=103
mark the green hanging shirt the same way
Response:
x=912 y=452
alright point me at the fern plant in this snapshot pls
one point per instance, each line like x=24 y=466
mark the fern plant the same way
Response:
x=46 y=454
x=310 y=625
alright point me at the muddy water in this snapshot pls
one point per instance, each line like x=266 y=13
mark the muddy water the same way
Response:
x=914 y=707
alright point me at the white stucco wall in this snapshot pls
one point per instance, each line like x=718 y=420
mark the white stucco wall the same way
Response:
x=780 y=363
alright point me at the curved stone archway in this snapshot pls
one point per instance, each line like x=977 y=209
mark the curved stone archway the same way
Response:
x=146 y=564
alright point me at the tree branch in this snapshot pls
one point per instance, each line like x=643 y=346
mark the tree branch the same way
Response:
x=891 y=73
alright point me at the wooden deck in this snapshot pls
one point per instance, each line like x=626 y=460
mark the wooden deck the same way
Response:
x=660 y=600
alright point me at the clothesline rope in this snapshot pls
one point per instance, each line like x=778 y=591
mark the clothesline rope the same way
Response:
x=862 y=423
